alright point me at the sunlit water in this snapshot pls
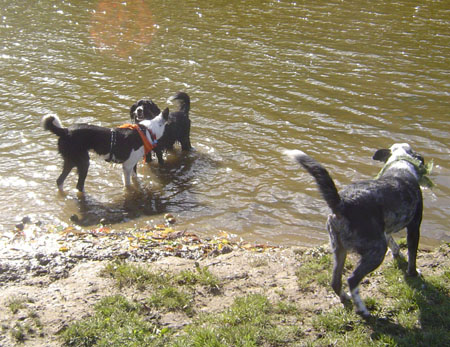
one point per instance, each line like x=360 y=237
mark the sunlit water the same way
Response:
x=337 y=80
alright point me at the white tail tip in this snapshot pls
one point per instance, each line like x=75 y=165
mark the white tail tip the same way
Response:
x=294 y=153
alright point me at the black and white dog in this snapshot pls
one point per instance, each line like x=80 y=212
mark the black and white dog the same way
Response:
x=366 y=213
x=118 y=145
x=177 y=131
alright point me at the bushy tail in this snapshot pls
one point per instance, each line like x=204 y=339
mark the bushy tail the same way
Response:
x=53 y=124
x=324 y=181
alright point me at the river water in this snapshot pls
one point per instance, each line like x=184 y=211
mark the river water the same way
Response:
x=336 y=79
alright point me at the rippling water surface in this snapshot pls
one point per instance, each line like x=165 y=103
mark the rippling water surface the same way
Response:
x=337 y=80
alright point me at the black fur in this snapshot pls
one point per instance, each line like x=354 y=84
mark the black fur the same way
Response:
x=76 y=141
x=366 y=213
x=177 y=130
x=144 y=109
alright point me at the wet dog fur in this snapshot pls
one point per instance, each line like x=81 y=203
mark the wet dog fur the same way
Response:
x=366 y=213
x=118 y=145
x=177 y=131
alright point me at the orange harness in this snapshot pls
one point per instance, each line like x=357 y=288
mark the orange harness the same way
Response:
x=148 y=146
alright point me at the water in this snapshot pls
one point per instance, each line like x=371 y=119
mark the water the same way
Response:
x=337 y=80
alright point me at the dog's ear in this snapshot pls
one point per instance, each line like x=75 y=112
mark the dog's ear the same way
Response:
x=165 y=114
x=154 y=109
x=132 y=109
x=382 y=155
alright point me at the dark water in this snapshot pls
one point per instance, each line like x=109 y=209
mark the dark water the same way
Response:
x=337 y=80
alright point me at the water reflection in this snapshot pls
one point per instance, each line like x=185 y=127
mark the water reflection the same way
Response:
x=335 y=79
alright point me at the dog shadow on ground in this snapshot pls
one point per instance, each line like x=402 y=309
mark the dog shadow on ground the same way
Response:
x=162 y=189
x=431 y=302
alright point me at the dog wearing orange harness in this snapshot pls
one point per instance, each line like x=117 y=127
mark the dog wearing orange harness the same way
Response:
x=125 y=145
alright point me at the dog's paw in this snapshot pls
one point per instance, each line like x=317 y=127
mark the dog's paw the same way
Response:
x=363 y=313
x=413 y=272
x=345 y=297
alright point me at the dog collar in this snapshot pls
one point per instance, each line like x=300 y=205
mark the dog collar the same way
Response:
x=422 y=170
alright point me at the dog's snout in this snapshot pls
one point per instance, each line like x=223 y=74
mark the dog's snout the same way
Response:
x=139 y=112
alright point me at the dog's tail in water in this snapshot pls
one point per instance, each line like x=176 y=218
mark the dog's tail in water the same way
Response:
x=53 y=124
x=324 y=181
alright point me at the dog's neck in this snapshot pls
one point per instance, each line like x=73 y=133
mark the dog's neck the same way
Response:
x=154 y=126
x=406 y=164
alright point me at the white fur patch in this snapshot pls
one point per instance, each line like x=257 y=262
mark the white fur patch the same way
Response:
x=399 y=150
x=294 y=153
x=129 y=164
x=361 y=308
x=156 y=125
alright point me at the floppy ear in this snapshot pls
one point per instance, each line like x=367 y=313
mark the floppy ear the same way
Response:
x=382 y=155
x=132 y=109
x=165 y=114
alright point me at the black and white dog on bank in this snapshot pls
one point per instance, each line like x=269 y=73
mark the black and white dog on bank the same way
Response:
x=366 y=213
x=125 y=145
x=179 y=128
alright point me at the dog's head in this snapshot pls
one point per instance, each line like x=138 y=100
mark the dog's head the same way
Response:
x=144 y=109
x=396 y=152
x=401 y=157
x=157 y=124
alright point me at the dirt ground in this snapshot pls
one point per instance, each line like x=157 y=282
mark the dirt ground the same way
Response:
x=59 y=301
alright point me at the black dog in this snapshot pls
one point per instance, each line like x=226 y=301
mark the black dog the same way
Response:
x=177 y=131
x=118 y=145
x=143 y=109
x=364 y=214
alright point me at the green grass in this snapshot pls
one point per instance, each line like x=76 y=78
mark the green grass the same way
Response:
x=405 y=311
x=249 y=321
x=16 y=303
x=116 y=322
x=315 y=269
x=414 y=311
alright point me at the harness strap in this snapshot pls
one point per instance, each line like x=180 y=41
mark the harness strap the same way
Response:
x=148 y=146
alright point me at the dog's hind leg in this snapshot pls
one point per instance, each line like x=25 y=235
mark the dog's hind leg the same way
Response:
x=186 y=144
x=68 y=166
x=336 y=283
x=370 y=260
x=339 y=253
x=393 y=246
x=83 y=167
x=412 y=238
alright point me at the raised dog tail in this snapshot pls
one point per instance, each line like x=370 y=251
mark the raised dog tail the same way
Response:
x=324 y=181
x=53 y=124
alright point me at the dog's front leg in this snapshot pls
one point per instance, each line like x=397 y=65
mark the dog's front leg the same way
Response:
x=126 y=176
x=412 y=238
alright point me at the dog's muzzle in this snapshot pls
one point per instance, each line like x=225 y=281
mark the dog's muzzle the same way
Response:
x=139 y=114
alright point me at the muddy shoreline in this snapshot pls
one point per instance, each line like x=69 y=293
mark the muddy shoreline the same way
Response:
x=56 y=271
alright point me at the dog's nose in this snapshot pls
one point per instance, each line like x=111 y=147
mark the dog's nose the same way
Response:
x=139 y=112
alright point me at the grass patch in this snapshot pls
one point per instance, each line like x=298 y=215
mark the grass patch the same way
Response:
x=166 y=288
x=405 y=311
x=250 y=321
x=201 y=276
x=172 y=299
x=16 y=303
x=127 y=275
x=116 y=322
x=315 y=269
x=414 y=312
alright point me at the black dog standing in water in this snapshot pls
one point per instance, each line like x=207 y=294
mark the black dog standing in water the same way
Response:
x=178 y=129
x=118 y=145
x=364 y=214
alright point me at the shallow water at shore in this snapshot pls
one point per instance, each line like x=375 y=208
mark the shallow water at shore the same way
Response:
x=337 y=80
